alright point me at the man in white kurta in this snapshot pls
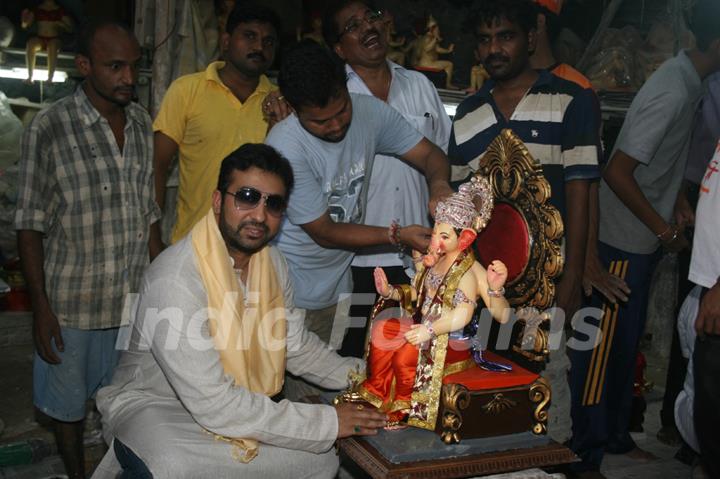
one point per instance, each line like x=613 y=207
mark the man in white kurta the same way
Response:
x=172 y=402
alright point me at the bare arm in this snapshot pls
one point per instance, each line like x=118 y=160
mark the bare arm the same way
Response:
x=576 y=231
x=498 y=306
x=595 y=275
x=329 y=234
x=455 y=319
x=430 y=44
x=442 y=50
x=619 y=176
x=155 y=244
x=683 y=211
x=45 y=324
x=431 y=160
x=32 y=256
x=593 y=216
x=165 y=150
x=450 y=320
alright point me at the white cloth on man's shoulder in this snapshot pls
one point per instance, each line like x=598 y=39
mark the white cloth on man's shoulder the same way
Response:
x=170 y=381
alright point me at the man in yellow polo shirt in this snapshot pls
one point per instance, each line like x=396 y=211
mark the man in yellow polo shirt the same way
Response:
x=209 y=114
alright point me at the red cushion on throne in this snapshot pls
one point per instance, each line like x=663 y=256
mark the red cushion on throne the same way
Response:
x=478 y=379
x=505 y=238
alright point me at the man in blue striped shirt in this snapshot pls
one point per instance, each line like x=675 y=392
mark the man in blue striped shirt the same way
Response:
x=556 y=119
x=559 y=123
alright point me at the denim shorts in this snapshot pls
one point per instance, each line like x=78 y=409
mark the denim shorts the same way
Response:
x=61 y=390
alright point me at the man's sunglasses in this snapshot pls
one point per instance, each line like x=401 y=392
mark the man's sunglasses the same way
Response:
x=247 y=198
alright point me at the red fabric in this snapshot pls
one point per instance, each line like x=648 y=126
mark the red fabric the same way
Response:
x=457 y=351
x=16 y=300
x=552 y=5
x=55 y=15
x=476 y=379
x=505 y=238
x=563 y=70
x=392 y=356
x=45 y=41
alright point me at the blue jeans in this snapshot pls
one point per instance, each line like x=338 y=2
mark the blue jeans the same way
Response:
x=90 y=356
x=601 y=379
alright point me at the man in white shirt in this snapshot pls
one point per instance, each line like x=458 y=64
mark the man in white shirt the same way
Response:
x=705 y=272
x=397 y=192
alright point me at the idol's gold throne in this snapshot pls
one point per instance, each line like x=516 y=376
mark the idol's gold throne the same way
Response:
x=524 y=232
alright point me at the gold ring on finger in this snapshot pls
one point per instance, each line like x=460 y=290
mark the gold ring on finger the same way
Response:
x=360 y=407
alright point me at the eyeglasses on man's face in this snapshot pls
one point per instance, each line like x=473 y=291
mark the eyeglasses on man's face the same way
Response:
x=370 y=17
x=247 y=198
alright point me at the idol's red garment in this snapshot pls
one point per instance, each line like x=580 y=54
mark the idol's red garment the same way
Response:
x=392 y=363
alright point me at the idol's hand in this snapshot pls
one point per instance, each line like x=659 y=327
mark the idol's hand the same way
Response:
x=418 y=334
x=381 y=283
x=497 y=274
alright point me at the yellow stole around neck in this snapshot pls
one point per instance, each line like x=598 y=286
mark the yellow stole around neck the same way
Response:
x=249 y=335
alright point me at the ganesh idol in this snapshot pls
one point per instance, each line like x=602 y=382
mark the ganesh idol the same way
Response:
x=409 y=355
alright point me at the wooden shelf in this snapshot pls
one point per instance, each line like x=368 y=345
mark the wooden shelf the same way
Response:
x=362 y=453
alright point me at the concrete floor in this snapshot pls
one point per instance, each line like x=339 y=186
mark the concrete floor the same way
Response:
x=16 y=412
x=19 y=421
x=620 y=467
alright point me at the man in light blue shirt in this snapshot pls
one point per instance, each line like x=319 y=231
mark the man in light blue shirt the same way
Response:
x=331 y=141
